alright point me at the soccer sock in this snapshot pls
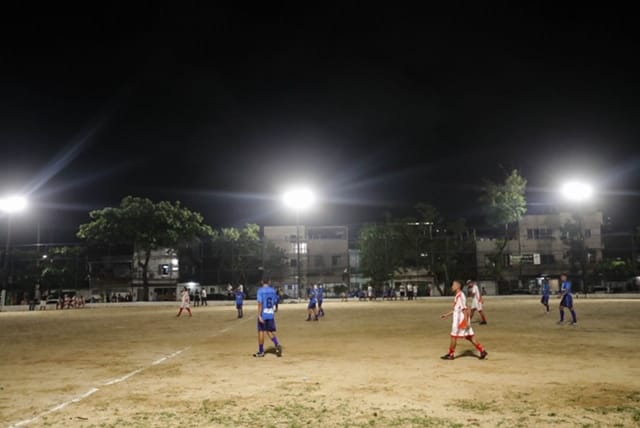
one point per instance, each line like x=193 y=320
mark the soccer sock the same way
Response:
x=573 y=315
x=275 y=340
x=261 y=349
x=483 y=317
x=479 y=347
x=452 y=351
x=561 y=314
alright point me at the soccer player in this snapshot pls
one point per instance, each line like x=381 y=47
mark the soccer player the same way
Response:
x=476 y=303
x=546 y=291
x=266 y=318
x=461 y=324
x=203 y=297
x=567 y=300
x=185 y=302
x=313 y=303
x=239 y=301
x=320 y=296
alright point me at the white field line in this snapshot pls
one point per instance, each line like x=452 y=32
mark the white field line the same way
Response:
x=114 y=381
x=94 y=390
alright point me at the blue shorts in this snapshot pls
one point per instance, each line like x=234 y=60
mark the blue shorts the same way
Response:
x=238 y=305
x=268 y=325
x=567 y=301
x=312 y=306
x=320 y=302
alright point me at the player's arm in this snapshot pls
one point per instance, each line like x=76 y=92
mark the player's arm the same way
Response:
x=448 y=314
x=260 y=312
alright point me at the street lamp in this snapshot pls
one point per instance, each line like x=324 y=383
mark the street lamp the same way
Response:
x=298 y=199
x=9 y=205
x=579 y=192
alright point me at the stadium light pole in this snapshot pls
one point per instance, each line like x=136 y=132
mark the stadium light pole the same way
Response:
x=298 y=199
x=578 y=193
x=9 y=205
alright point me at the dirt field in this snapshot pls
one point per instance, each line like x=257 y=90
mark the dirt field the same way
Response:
x=365 y=364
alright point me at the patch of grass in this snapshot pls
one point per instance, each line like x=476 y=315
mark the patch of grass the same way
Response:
x=476 y=405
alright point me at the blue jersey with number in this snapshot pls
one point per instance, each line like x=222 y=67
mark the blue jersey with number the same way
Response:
x=239 y=297
x=268 y=297
x=566 y=287
x=545 y=289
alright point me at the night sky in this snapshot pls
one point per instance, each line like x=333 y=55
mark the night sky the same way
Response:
x=376 y=109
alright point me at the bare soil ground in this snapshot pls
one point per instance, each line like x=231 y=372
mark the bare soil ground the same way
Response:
x=366 y=364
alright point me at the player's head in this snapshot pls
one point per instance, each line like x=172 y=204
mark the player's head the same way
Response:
x=266 y=281
x=456 y=285
x=470 y=283
x=563 y=276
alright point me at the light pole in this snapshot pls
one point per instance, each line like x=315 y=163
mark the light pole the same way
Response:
x=298 y=199
x=578 y=193
x=9 y=205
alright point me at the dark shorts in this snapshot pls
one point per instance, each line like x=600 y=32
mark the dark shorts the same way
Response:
x=320 y=302
x=268 y=325
x=238 y=305
x=567 y=301
x=544 y=300
x=312 y=306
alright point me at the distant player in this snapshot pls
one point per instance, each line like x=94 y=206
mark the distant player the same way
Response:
x=476 y=302
x=320 y=297
x=239 y=301
x=266 y=318
x=546 y=292
x=278 y=294
x=461 y=323
x=186 y=302
x=313 y=303
x=203 y=297
x=567 y=300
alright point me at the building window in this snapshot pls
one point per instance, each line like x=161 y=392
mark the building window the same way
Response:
x=547 y=259
x=293 y=262
x=587 y=233
x=164 y=270
x=294 y=248
x=335 y=260
x=542 y=233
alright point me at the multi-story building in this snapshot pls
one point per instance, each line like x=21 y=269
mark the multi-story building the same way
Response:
x=324 y=255
x=539 y=247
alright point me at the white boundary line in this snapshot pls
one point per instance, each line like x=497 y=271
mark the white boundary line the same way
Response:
x=116 y=380
x=94 y=390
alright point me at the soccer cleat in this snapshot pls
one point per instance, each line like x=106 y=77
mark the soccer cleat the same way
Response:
x=575 y=323
x=483 y=322
x=279 y=350
x=560 y=322
x=447 y=357
x=483 y=355
x=259 y=355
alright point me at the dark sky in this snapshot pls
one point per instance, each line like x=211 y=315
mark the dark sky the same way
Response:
x=376 y=108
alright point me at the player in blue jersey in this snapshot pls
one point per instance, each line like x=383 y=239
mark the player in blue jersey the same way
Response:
x=320 y=297
x=546 y=291
x=266 y=318
x=567 y=300
x=239 y=293
x=313 y=303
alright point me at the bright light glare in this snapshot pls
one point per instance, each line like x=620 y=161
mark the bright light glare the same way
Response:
x=12 y=204
x=577 y=191
x=299 y=199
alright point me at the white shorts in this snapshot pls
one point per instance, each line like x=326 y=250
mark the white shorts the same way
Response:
x=185 y=306
x=476 y=304
x=456 y=331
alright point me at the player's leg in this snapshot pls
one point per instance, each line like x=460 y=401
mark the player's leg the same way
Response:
x=260 y=352
x=189 y=310
x=276 y=343
x=478 y=346
x=179 y=312
x=452 y=349
x=482 y=315
x=473 y=311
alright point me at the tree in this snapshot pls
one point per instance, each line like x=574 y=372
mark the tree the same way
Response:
x=381 y=252
x=504 y=204
x=144 y=226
